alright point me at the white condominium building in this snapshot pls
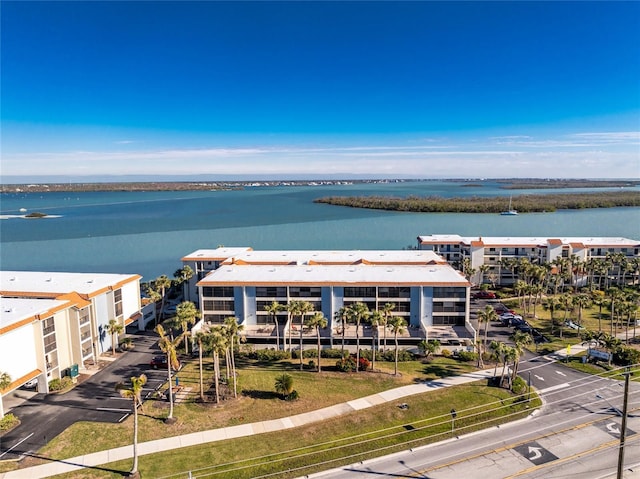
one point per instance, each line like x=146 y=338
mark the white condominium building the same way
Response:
x=424 y=289
x=491 y=251
x=50 y=322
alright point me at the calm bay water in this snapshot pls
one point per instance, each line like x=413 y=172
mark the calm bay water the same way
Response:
x=148 y=232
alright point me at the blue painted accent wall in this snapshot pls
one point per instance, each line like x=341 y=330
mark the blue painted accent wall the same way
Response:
x=238 y=302
x=427 y=305
x=326 y=294
x=250 y=316
x=416 y=305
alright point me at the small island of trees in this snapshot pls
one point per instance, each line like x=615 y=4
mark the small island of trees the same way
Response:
x=522 y=203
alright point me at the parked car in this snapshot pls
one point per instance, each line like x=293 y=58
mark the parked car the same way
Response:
x=484 y=295
x=524 y=327
x=510 y=319
x=31 y=384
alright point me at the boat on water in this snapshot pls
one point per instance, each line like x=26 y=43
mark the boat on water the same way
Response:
x=510 y=211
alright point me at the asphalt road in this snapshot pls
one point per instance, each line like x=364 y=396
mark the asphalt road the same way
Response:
x=45 y=416
x=576 y=434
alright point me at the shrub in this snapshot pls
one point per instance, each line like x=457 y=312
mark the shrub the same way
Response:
x=467 y=356
x=9 y=421
x=59 y=384
x=269 y=355
x=293 y=396
x=346 y=365
x=363 y=364
x=312 y=364
x=367 y=354
x=403 y=355
x=331 y=353
x=519 y=386
x=446 y=353
x=625 y=356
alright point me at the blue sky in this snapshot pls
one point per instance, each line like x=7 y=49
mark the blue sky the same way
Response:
x=321 y=89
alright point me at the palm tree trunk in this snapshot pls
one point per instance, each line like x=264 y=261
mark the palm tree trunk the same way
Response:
x=301 y=365
x=395 y=371
x=134 y=467
x=342 y=346
x=170 y=416
x=357 y=347
x=373 y=351
x=275 y=319
x=319 y=347
x=201 y=380
x=216 y=374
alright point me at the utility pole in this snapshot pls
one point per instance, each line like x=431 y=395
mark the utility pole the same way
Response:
x=623 y=426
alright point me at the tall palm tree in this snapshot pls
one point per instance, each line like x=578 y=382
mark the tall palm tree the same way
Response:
x=509 y=355
x=375 y=319
x=566 y=301
x=615 y=295
x=161 y=285
x=318 y=321
x=552 y=304
x=218 y=341
x=201 y=338
x=304 y=308
x=134 y=393
x=386 y=310
x=114 y=328
x=186 y=313
x=273 y=309
x=293 y=308
x=520 y=341
x=233 y=338
x=358 y=312
x=168 y=347
x=183 y=275
x=397 y=325
x=497 y=348
x=342 y=316
x=581 y=301
x=597 y=298
x=485 y=316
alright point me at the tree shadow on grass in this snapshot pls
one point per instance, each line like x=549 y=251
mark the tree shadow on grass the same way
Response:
x=66 y=461
x=255 y=394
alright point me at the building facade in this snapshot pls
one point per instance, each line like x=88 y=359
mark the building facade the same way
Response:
x=491 y=252
x=424 y=289
x=50 y=322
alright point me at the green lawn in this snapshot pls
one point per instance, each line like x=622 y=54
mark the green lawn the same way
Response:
x=356 y=436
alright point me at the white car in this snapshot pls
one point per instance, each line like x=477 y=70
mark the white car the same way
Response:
x=33 y=383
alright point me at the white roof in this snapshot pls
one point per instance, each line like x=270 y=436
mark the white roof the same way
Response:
x=54 y=283
x=14 y=310
x=611 y=242
x=247 y=255
x=318 y=275
x=217 y=254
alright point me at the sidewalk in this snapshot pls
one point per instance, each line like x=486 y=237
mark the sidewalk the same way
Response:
x=213 y=435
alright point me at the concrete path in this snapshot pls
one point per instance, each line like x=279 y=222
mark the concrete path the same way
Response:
x=213 y=435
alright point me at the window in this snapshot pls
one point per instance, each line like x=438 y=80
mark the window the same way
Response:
x=449 y=292
x=219 y=305
x=271 y=292
x=359 y=292
x=117 y=301
x=48 y=326
x=49 y=343
x=304 y=292
x=217 y=292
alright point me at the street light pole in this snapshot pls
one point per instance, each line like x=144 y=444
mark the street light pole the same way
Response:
x=453 y=419
x=623 y=426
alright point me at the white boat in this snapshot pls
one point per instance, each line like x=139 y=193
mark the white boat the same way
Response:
x=510 y=211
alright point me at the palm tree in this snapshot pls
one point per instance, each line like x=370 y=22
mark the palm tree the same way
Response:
x=357 y=312
x=201 y=338
x=233 y=330
x=566 y=301
x=161 y=284
x=134 y=393
x=614 y=295
x=428 y=347
x=497 y=347
x=218 y=341
x=304 y=308
x=293 y=308
x=114 y=328
x=168 y=347
x=375 y=319
x=520 y=340
x=342 y=316
x=318 y=321
x=397 y=324
x=581 y=301
x=284 y=384
x=509 y=355
x=186 y=314
x=183 y=275
x=273 y=309
x=485 y=316
x=552 y=304
x=386 y=310
x=597 y=298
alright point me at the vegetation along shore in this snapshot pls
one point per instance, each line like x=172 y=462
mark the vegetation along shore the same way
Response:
x=523 y=203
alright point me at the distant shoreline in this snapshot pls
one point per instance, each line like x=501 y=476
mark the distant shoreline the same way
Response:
x=514 y=183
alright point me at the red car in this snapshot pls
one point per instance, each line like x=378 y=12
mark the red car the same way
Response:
x=484 y=295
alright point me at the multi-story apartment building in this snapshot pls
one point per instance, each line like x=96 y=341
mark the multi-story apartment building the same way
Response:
x=423 y=288
x=52 y=321
x=491 y=251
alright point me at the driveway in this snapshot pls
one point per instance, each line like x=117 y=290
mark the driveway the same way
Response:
x=45 y=416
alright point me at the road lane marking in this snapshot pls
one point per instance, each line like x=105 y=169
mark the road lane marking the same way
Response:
x=113 y=409
x=553 y=388
x=540 y=378
x=561 y=373
x=16 y=444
